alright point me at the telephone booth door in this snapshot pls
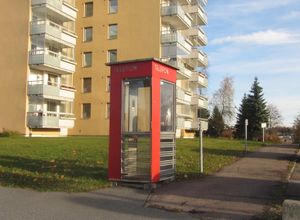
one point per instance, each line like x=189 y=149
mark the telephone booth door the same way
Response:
x=136 y=129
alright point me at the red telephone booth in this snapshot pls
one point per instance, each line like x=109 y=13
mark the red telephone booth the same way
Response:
x=142 y=121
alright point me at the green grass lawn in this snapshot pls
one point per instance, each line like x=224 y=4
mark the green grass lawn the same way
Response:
x=75 y=164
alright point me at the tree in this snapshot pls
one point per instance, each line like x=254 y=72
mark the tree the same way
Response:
x=215 y=123
x=296 y=129
x=223 y=98
x=275 y=117
x=257 y=112
x=253 y=108
x=242 y=115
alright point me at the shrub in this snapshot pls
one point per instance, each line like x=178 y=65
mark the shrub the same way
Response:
x=9 y=133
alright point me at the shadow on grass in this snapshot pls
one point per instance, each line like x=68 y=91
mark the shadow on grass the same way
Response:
x=242 y=153
x=58 y=175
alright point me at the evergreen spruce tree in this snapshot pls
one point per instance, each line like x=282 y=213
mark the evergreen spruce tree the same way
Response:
x=257 y=112
x=215 y=123
x=253 y=108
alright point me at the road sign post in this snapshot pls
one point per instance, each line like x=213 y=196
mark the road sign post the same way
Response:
x=203 y=125
x=263 y=126
x=246 y=134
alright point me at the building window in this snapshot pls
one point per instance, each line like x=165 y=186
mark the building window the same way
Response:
x=86 y=110
x=112 y=56
x=88 y=9
x=112 y=31
x=107 y=114
x=108 y=84
x=113 y=6
x=51 y=106
x=87 y=59
x=88 y=34
x=87 y=85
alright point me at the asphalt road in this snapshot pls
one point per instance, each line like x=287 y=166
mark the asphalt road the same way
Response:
x=111 y=203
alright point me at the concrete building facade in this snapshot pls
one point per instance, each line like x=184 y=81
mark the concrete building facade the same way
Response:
x=55 y=80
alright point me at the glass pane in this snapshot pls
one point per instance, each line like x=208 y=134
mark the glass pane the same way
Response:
x=112 y=55
x=89 y=9
x=166 y=106
x=113 y=31
x=113 y=6
x=88 y=59
x=88 y=34
x=137 y=105
x=87 y=85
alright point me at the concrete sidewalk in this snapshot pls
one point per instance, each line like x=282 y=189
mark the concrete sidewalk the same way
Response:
x=293 y=191
x=239 y=191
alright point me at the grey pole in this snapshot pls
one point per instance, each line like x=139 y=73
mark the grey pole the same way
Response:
x=201 y=144
x=246 y=134
x=263 y=135
x=200 y=148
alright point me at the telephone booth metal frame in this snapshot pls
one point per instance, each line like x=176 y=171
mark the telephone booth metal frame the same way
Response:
x=142 y=121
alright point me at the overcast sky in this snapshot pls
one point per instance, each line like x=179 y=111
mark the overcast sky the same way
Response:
x=256 y=38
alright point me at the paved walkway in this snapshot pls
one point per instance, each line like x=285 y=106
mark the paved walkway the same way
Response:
x=239 y=191
x=293 y=191
x=111 y=203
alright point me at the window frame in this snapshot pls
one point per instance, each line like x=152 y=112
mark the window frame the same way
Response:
x=85 y=35
x=85 y=9
x=84 y=116
x=112 y=37
x=110 y=7
x=84 y=62
x=85 y=89
x=109 y=52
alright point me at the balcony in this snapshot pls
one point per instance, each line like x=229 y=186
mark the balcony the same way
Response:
x=183 y=72
x=174 y=45
x=196 y=35
x=200 y=101
x=184 y=2
x=48 y=60
x=175 y=16
x=197 y=58
x=184 y=111
x=61 y=9
x=196 y=122
x=199 y=78
x=53 y=32
x=183 y=97
x=197 y=13
x=52 y=120
x=56 y=92
x=183 y=123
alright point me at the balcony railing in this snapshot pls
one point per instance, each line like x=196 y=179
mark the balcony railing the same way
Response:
x=64 y=35
x=48 y=119
x=183 y=72
x=199 y=78
x=198 y=14
x=183 y=97
x=48 y=60
x=184 y=111
x=51 y=90
x=183 y=123
x=64 y=8
x=197 y=58
x=200 y=101
x=175 y=15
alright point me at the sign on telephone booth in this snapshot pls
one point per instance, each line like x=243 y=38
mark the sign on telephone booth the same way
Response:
x=142 y=121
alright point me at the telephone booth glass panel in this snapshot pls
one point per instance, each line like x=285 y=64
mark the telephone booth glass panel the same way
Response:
x=136 y=147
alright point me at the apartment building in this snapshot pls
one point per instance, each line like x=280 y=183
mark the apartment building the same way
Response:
x=115 y=30
x=54 y=78
x=37 y=66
